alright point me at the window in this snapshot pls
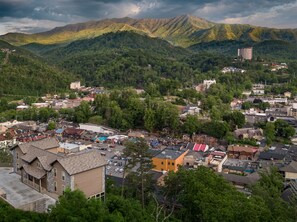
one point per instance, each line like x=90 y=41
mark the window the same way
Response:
x=162 y=163
x=63 y=175
x=17 y=155
x=55 y=172
x=168 y=163
x=38 y=165
x=55 y=186
x=172 y=164
x=63 y=188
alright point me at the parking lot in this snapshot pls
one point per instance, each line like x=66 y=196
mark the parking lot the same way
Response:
x=18 y=194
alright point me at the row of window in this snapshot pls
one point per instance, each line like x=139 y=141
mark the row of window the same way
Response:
x=162 y=163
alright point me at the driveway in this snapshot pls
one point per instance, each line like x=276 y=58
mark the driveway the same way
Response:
x=20 y=195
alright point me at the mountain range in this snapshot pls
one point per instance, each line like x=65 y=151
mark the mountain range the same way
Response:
x=182 y=31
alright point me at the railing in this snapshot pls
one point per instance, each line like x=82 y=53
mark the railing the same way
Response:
x=31 y=184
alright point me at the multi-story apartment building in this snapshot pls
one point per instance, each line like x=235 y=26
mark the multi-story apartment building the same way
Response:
x=48 y=168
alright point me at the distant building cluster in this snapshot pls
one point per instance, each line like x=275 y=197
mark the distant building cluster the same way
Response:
x=232 y=70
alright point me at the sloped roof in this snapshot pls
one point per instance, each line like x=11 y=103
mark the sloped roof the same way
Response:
x=43 y=144
x=75 y=164
x=45 y=157
x=248 y=149
x=292 y=167
x=33 y=171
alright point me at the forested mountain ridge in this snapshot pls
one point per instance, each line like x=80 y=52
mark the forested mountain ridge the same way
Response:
x=24 y=73
x=183 y=31
x=124 y=59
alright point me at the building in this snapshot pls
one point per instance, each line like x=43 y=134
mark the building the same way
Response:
x=47 y=168
x=290 y=171
x=216 y=160
x=75 y=85
x=208 y=83
x=245 y=53
x=194 y=159
x=249 y=133
x=169 y=159
x=242 y=152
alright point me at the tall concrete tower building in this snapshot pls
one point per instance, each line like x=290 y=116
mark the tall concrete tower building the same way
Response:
x=245 y=53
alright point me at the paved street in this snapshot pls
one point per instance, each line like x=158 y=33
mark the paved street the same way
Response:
x=17 y=193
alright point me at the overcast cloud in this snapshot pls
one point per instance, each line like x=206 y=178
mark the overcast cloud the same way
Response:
x=31 y=16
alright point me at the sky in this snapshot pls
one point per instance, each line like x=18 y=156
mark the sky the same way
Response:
x=31 y=16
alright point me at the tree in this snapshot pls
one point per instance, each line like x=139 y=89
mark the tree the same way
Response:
x=191 y=125
x=51 y=125
x=269 y=189
x=202 y=195
x=96 y=120
x=283 y=129
x=149 y=119
x=218 y=129
x=137 y=153
x=235 y=119
x=269 y=132
x=83 y=112
x=72 y=96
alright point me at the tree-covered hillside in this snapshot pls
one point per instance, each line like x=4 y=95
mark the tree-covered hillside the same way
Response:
x=272 y=49
x=23 y=73
x=125 y=59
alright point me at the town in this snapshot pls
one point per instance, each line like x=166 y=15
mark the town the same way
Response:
x=42 y=158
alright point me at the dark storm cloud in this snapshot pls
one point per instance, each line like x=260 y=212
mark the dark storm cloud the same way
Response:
x=279 y=13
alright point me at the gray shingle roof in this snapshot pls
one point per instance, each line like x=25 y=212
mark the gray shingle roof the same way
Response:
x=45 y=157
x=33 y=171
x=292 y=167
x=44 y=144
x=89 y=160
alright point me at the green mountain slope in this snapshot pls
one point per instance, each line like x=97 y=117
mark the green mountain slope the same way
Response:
x=274 y=49
x=182 y=31
x=23 y=73
x=123 y=59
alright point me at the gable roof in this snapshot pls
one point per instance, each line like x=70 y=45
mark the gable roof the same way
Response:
x=44 y=157
x=89 y=160
x=33 y=171
x=292 y=167
x=44 y=144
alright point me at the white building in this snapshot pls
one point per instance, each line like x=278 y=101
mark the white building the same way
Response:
x=75 y=85
x=208 y=83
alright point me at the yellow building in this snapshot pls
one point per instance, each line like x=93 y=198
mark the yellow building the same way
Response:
x=169 y=159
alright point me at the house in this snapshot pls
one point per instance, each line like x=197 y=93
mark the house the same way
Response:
x=249 y=133
x=287 y=94
x=195 y=159
x=208 y=83
x=240 y=181
x=7 y=138
x=169 y=159
x=274 y=153
x=135 y=134
x=75 y=85
x=200 y=147
x=44 y=166
x=205 y=139
x=216 y=160
x=73 y=133
x=237 y=166
x=97 y=129
x=290 y=171
x=242 y=152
